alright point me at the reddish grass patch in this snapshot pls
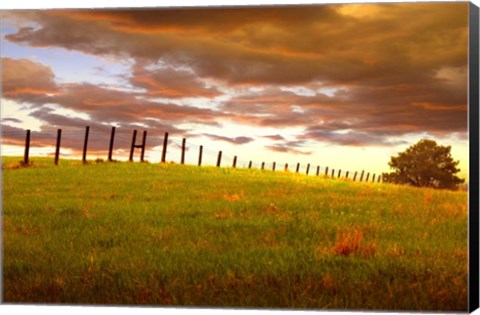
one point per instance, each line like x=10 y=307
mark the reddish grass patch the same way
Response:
x=349 y=242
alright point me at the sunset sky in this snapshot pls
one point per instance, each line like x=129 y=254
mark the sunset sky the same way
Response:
x=344 y=86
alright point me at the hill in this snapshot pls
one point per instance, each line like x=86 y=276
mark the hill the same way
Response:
x=166 y=234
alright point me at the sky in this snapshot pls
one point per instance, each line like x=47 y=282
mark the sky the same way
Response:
x=342 y=85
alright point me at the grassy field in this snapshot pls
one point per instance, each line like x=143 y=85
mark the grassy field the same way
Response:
x=164 y=234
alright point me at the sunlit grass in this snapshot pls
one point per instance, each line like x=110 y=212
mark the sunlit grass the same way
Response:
x=165 y=234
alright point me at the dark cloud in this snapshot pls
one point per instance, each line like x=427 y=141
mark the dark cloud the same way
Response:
x=170 y=83
x=350 y=138
x=26 y=77
x=236 y=140
x=14 y=120
x=102 y=104
x=274 y=137
x=73 y=134
x=263 y=45
x=394 y=69
x=290 y=146
x=204 y=20
x=286 y=149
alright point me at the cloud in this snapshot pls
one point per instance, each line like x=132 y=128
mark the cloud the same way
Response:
x=169 y=82
x=14 y=120
x=349 y=138
x=73 y=132
x=386 y=70
x=21 y=77
x=285 y=149
x=203 y=20
x=102 y=104
x=274 y=137
x=290 y=146
x=236 y=140
x=262 y=45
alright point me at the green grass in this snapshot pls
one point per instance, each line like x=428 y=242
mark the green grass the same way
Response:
x=164 y=234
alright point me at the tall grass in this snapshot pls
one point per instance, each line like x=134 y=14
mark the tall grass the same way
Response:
x=164 y=234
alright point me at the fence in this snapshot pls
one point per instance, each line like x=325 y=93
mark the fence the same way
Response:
x=203 y=153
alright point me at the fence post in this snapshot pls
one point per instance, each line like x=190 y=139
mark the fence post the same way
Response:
x=368 y=175
x=144 y=141
x=273 y=166
x=326 y=171
x=132 y=147
x=164 y=150
x=250 y=164
x=286 y=167
x=308 y=168
x=234 y=165
x=57 y=147
x=339 y=173
x=27 y=148
x=200 y=156
x=379 y=177
x=85 y=143
x=361 y=176
x=263 y=166
x=318 y=170
x=346 y=175
x=333 y=173
x=355 y=176
x=219 y=158
x=182 y=159
x=110 y=147
x=298 y=168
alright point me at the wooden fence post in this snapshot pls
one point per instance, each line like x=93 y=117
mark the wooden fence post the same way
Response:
x=132 y=147
x=57 y=147
x=286 y=167
x=361 y=176
x=200 y=156
x=164 y=150
x=250 y=164
x=273 y=166
x=85 y=143
x=318 y=170
x=373 y=178
x=326 y=171
x=346 y=175
x=368 y=175
x=308 y=168
x=298 y=168
x=333 y=173
x=355 y=176
x=234 y=165
x=263 y=166
x=339 y=173
x=110 y=147
x=219 y=158
x=27 y=148
x=379 y=177
x=182 y=159
x=144 y=141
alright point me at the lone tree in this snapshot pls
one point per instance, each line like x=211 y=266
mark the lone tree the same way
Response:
x=425 y=164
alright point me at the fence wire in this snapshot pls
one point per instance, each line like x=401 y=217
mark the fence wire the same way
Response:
x=72 y=143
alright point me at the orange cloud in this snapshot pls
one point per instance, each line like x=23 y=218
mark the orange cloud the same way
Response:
x=170 y=83
x=394 y=68
x=25 y=77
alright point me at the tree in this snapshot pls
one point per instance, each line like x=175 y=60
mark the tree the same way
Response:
x=425 y=164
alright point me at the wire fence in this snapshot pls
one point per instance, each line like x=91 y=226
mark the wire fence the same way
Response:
x=121 y=144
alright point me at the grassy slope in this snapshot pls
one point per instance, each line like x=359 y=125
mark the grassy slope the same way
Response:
x=137 y=233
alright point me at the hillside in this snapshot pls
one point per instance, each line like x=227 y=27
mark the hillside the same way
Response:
x=166 y=234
